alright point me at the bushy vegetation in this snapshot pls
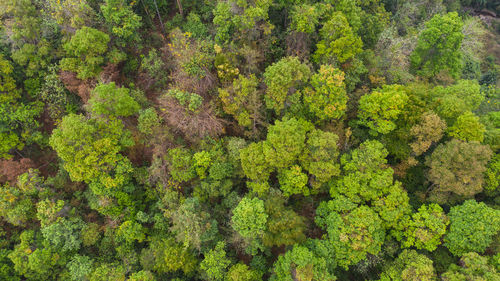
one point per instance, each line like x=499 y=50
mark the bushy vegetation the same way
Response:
x=248 y=140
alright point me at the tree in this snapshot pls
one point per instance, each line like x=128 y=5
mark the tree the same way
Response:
x=168 y=256
x=472 y=267
x=243 y=101
x=282 y=79
x=193 y=226
x=71 y=14
x=47 y=211
x=284 y=226
x=79 y=267
x=142 y=275
x=320 y=157
x=493 y=175
x=85 y=52
x=438 y=47
x=249 y=218
x=90 y=149
x=64 y=235
x=241 y=272
x=380 y=109
x=428 y=131
x=215 y=264
x=328 y=98
x=7 y=83
x=17 y=202
x=122 y=20
x=285 y=142
x=108 y=272
x=254 y=162
x=467 y=128
x=365 y=176
x=110 y=100
x=458 y=168
x=426 y=228
x=300 y=263
x=457 y=99
x=339 y=43
x=40 y=263
x=180 y=164
x=472 y=227
x=409 y=265
x=354 y=232
x=131 y=231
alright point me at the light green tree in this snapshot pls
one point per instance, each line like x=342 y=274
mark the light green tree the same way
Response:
x=327 y=98
x=110 y=100
x=85 y=52
x=339 y=42
x=472 y=227
x=426 y=228
x=409 y=265
x=380 y=109
x=282 y=79
x=438 y=47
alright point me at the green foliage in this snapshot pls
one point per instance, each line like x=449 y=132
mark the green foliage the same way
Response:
x=189 y=100
x=148 y=120
x=283 y=78
x=320 y=157
x=7 y=82
x=85 y=52
x=353 y=231
x=365 y=176
x=131 y=231
x=458 y=167
x=168 y=256
x=122 y=20
x=380 y=109
x=64 y=235
x=90 y=149
x=17 y=201
x=472 y=267
x=79 y=267
x=339 y=42
x=305 y=18
x=180 y=164
x=254 y=162
x=142 y=276
x=193 y=227
x=472 y=227
x=215 y=264
x=47 y=211
x=110 y=100
x=284 y=226
x=300 y=263
x=467 y=128
x=194 y=57
x=457 y=99
x=249 y=218
x=293 y=181
x=155 y=67
x=438 y=47
x=426 y=228
x=493 y=175
x=40 y=263
x=285 y=142
x=409 y=265
x=242 y=100
x=328 y=98
x=241 y=272
x=108 y=272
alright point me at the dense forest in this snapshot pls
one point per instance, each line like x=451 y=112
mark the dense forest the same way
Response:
x=247 y=140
